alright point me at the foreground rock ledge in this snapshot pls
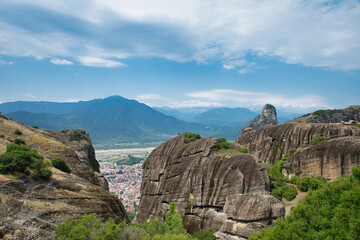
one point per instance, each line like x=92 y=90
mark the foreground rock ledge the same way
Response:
x=224 y=191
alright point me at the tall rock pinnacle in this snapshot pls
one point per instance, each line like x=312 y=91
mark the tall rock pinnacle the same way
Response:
x=267 y=116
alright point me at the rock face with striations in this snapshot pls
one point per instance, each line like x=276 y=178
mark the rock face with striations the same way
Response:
x=331 y=158
x=32 y=209
x=225 y=191
x=266 y=117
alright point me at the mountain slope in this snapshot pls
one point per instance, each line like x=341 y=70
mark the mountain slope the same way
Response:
x=113 y=119
x=32 y=209
x=225 y=117
x=331 y=116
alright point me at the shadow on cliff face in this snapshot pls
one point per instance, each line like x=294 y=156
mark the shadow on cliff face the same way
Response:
x=227 y=192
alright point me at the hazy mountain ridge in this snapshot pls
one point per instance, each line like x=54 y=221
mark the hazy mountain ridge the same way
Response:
x=331 y=115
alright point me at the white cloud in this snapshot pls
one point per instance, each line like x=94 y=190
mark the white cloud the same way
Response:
x=99 y=62
x=29 y=95
x=155 y=100
x=150 y=96
x=317 y=33
x=58 y=61
x=70 y=100
x=2 y=62
x=229 y=97
x=228 y=67
x=243 y=70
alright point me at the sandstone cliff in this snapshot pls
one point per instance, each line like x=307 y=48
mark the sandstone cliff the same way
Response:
x=331 y=159
x=266 y=117
x=32 y=209
x=226 y=191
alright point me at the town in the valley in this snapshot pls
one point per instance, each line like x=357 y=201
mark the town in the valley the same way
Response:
x=123 y=170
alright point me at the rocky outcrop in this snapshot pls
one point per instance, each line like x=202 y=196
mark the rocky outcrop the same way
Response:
x=332 y=116
x=80 y=156
x=32 y=209
x=226 y=191
x=266 y=117
x=331 y=158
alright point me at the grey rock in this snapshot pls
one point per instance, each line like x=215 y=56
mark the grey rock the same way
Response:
x=201 y=182
x=267 y=117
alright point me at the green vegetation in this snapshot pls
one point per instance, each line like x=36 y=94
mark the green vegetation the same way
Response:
x=90 y=227
x=222 y=144
x=356 y=125
x=2 y=136
x=18 y=158
x=19 y=141
x=330 y=212
x=36 y=127
x=191 y=137
x=244 y=150
x=79 y=135
x=60 y=164
x=280 y=187
x=131 y=160
x=42 y=173
x=17 y=132
x=317 y=140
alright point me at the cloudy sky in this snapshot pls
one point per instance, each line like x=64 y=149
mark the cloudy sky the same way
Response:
x=299 y=55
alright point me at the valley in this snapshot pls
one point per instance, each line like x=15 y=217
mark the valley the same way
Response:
x=124 y=177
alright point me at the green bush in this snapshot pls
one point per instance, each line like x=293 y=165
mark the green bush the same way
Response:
x=44 y=173
x=293 y=180
x=306 y=183
x=317 y=140
x=2 y=136
x=36 y=127
x=90 y=227
x=17 y=158
x=60 y=164
x=222 y=144
x=244 y=150
x=19 y=141
x=330 y=212
x=289 y=192
x=191 y=137
x=17 y=132
x=205 y=234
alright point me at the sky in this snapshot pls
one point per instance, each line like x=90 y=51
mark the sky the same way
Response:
x=299 y=55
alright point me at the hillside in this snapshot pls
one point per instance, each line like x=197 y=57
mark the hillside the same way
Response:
x=229 y=117
x=110 y=120
x=331 y=116
x=32 y=208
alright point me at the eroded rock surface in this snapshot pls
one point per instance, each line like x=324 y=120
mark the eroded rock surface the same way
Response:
x=266 y=117
x=332 y=158
x=33 y=209
x=225 y=191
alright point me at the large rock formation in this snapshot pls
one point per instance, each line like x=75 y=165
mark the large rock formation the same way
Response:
x=331 y=158
x=33 y=209
x=266 y=117
x=226 y=191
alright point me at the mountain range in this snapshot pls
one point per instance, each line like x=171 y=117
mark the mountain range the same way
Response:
x=117 y=120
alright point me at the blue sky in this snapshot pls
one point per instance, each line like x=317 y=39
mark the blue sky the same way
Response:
x=297 y=55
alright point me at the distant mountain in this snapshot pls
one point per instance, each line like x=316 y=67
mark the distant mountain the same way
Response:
x=229 y=117
x=113 y=119
x=110 y=120
x=331 y=115
x=185 y=114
